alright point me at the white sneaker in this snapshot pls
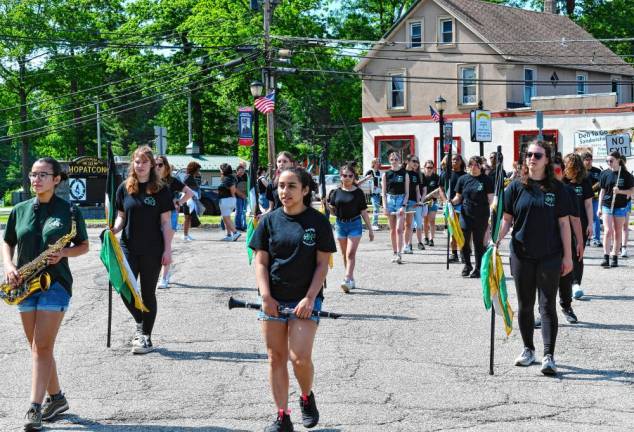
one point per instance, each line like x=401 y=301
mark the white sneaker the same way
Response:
x=142 y=345
x=395 y=258
x=399 y=258
x=624 y=252
x=351 y=284
x=236 y=235
x=375 y=228
x=527 y=358
x=345 y=286
x=188 y=238
x=577 y=292
x=227 y=238
x=548 y=365
x=163 y=283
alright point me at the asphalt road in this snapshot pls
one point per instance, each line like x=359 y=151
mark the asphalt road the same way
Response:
x=411 y=355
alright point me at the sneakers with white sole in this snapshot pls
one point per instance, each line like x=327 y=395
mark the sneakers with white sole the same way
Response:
x=54 y=406
x=188 y=238
x=345 y=286
x=577 y=292
x=527 y=358
x=163 y=283
x=624 y=252
x=236 y=235
x=548 y=365
x=142 y=345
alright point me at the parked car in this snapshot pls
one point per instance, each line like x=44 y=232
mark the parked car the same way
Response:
x=208 y=195
x=332 y=182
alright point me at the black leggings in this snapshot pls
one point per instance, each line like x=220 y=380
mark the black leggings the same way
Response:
x=565 y=282
x=149 y=266
x=578 y=265
x=530 y=277
x=477 y=229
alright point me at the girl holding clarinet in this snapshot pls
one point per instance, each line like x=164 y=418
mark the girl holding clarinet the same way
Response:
x=293 y=245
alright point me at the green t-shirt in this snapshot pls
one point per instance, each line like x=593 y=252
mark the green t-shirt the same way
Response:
x=33 y=227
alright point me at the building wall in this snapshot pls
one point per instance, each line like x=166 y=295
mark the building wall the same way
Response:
x=504 y=129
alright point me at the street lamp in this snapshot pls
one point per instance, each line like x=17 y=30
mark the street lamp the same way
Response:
x=441 y=103
x=256 y=89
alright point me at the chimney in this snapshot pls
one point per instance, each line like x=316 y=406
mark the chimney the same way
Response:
x=549 y=7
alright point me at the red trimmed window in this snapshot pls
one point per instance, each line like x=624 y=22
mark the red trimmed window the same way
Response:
x=384 y=145
x=455 y=148
x=522 y=138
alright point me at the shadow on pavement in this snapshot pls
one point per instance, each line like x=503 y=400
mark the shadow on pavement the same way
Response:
x=368 y=291
x=606 y=297
x=580 y=374
x=73 y=422
x=209 y=287
x=599 y=326
x=211 y=355
x=376 y=317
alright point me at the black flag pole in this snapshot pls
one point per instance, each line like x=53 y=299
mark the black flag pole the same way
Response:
x=110 y=189
x=448 y=169
x=499 y=190
x=323 y=169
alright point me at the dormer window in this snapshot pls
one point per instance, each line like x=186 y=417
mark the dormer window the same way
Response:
x=415 y=31
x=446 y=31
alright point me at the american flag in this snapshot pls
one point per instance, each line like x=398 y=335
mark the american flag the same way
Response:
x=434 y=115
x=266 y=104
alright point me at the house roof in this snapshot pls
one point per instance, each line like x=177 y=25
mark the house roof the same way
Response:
x=497 y=23
x=207 y=162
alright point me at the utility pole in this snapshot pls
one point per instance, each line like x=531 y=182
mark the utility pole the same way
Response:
x=189 y=116
x=269 y=83
x=98 y=130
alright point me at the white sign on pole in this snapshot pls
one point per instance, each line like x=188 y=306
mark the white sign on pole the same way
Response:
x=594 y=139
x=620 y=143
x=77 y=187
x=481 y=126
x=161 y=139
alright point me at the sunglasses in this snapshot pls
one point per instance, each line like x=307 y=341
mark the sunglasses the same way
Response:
x=347 y=175
x=160 y=164
x=538 y=156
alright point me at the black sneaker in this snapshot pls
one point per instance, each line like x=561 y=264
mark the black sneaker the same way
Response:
x=431 y=242
x=281 y=424
x=33 y=420
x=454 y=258
x=421 y=246
x=475 y=274
x=538 y=321
x=615 y=261
x=570 y=315
x=54 y=406
x=310 y=414
x=606 y=261
x=466 y=270
x=426 y=241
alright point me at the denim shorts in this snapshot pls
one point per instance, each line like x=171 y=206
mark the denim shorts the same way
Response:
x=175 y=220
x=411 y=206
x=394 y=202
x=618 y=212
x=433 y=207
x=264 y=317
x=55 y=299
x=352 y=228
x=418 y=216
x=457 y=208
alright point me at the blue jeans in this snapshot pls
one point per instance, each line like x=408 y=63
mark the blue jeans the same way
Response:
x=597 y=220
x=376 y=208
x=264 y=203
x=240 y=218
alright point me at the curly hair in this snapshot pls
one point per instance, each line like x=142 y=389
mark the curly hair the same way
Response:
x=574 y=169
x=132 y=182
x=549 y=180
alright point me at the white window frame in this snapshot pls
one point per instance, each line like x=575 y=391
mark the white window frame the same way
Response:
x=533 y=86
x=388 y=89
x=476 y=68
x=616 y=79
x=439 y=32
x=583 y=75
x=410 y=23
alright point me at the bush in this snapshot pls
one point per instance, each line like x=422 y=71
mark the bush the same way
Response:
x=7 y=196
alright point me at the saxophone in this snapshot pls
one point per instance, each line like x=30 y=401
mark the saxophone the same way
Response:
x=33 y=275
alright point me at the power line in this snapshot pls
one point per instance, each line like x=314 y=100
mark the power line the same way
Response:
x=114 y=110
x=142 y=89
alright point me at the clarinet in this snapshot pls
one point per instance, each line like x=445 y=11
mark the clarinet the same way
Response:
x=284 y=311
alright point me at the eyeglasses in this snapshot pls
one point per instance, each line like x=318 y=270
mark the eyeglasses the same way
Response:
x=160 y=164
x=609 y=160
x=347 y=175
x=588 y=159
x=40 y=175
x=538 y=156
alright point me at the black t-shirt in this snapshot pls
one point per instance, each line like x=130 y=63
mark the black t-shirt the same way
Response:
x=572 y=200
x=292 y=243
x=142 y=234
x=432 y=183
x=190 y=182
x=608 y=181
x=492 y=174
x=583 y=191
x=455 y=176
x=348 y=204
x=414 y=182
x=176 y=186
x=261 y=187
x=224 y=190
x=536 y=216
x=595 y=175
x=271 y=195
x=395 y=182
x=376 y=180
x=475 y=201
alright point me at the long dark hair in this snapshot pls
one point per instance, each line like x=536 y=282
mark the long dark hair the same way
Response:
x=55 y=166
x=348 y=167
x=306 y=180
x=616 y=155
x=549 y=180
x=574 y=170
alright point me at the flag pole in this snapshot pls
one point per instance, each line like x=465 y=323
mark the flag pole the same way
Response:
x=109 y=313
x=448 y=171
x=499 y=189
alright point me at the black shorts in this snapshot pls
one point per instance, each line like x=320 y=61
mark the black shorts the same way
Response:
x=185 y=209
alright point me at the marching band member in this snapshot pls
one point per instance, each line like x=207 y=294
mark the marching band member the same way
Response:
x=375 y=175
x=347 y=202
x=475 y=192
x=536 y=205
x=143 y=214
x=413 y=209
x=576 y=176
x=457 y=171
x=395 y=184
x=283 y=161
x=594 y=174
x=616 y=187
x=432 y=182
x=293 y=245
x=32 y=226
x=192 y=170
x=180 y=195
